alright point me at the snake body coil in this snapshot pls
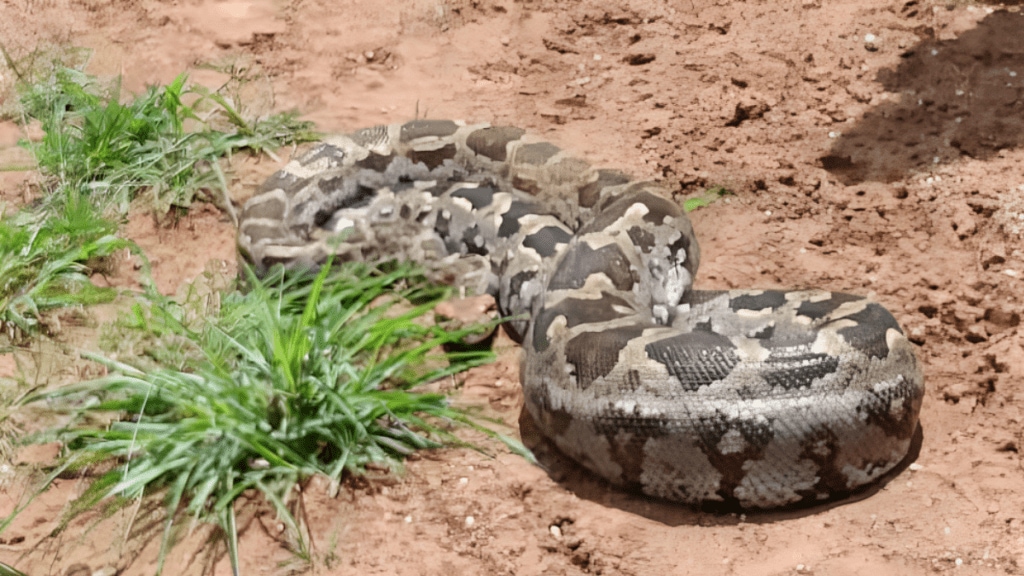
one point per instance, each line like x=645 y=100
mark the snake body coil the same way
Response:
x=756 y=398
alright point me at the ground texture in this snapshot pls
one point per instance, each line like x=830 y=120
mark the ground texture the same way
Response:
x=874 y=146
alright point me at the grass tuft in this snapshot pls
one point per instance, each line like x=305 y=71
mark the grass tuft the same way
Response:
x=162 y=143
x=295 y=378
x=46 y=260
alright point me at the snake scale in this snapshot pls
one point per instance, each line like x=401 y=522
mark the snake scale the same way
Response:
x=753 y=398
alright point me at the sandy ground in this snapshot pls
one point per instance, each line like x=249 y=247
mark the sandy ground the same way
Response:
x=873 y=146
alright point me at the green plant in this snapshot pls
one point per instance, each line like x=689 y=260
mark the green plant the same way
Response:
x=295 y=378
x=705 y=199
x=46 y=261
x=160 y=143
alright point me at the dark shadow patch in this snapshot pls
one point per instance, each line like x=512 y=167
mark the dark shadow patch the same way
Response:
x=958 y=91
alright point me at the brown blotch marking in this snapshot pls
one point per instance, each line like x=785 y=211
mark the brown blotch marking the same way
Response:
x=581 y=261
x=272 y=208
x=376 y=162
x=595 y=354
x=578 y=311
x=822 y=308
x=433 y=158
x=546 y=240
x=591 y=193
x=868 y=336
x=822 y=448
x=536 y=154
x=629 y=455
x=756 y=435
x=529 y=186
x=876 y=408
x=493 y=142
x=261 y=232
x=422 y=128
x=641 y=238
x=658 y=207
x=284 y=180
x=696 y=359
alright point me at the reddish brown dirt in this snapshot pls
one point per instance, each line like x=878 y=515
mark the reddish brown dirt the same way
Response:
x=889 y=166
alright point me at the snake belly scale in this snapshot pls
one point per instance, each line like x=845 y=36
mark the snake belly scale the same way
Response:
x=754 y=398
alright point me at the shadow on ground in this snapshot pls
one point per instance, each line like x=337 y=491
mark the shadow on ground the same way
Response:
x=951 y=98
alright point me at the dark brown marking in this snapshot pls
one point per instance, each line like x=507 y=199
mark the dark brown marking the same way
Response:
x=546 y=240
x=284 y=180
x=433 y=158
x=695 y=359
x=261 y=232
x=594 y=355
x=576 y=312
x=420 y=128
x=772 y=299
x=376 y=162
x=271 y=208
x=581 y=261
x=536 y=154
x=591 y=193
x=868 y=335
x=788 y=371
x=641 y=238
x=821 y=309
x=493 y=142
x=510 y=218
x=479 y=197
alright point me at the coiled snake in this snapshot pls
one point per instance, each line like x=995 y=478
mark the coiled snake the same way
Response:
x=758 y=398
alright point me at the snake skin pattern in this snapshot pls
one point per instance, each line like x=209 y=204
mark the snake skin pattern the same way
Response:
x=755 y=398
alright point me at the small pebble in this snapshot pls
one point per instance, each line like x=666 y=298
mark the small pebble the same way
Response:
x=556 y=532
x=470 y=521
x=463 y=481
x=1011 y=273
x=915 y=467
x=408 y=519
